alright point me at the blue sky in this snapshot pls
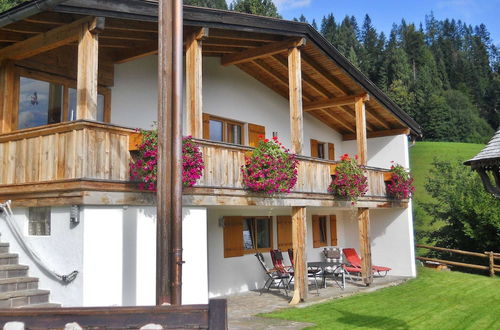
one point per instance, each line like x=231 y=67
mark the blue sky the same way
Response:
x=384 y=12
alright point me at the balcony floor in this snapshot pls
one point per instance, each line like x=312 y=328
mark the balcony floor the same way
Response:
x=243 y=307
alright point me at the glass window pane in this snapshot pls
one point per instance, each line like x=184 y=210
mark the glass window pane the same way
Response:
x=40 y=103
x=248 y=234
x=234 y=133
x=263 y=233
x=322 y=229
x=72 y=106
x=321 y=150
x=216 y=130
x=39 y=221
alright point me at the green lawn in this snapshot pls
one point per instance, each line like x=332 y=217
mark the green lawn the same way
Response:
x=422 y=154
x=434 y=300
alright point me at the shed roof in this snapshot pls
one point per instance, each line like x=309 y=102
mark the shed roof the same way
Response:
x=490 y=155
x=326 y=73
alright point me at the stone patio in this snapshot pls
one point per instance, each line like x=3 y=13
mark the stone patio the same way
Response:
x=243 y=307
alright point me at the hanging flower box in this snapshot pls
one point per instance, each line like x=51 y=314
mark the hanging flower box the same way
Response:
x=270 y=168
x=348 y=179
x=399 y=182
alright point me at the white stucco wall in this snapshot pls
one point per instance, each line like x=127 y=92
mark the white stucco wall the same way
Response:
x=240 y=274
x=61 y=251
x=382 y=150
x=227 y=92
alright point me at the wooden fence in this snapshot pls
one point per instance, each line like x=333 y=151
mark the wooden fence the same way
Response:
x=211 y=316
x=491 y=256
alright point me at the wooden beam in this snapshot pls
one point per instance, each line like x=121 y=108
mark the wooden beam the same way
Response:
x=375 y=134
x=48 y=40
x=336 y=102
x=264 y=51
x=194 y=109
x=295 y=100
x=361 y=130
x=124 y=56
x=87 y=71
x=364 y=245
x=299 y=234
x=339 y=120
x=8 y=90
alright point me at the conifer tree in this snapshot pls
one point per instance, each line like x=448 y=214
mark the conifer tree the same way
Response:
x=256 y=7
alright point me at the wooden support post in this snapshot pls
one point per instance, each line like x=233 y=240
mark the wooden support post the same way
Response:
x=492 y=263
x=364 y=244
x=169 y=180
x=359 y=105
x=194 y=109
x=295 y=99
x=87 y=71
x=299 y=254
x=8 y=88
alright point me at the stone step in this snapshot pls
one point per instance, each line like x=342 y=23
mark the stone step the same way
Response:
x=9 y=258
x=13 y=299
x=44 y=305
x=10 y=271
x=18 y=283
x=4 y=247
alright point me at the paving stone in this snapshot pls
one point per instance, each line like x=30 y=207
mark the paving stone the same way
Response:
x=243 y=307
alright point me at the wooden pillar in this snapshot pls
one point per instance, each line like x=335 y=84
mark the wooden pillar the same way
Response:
x=8 y=89
x=299 y=254
x=359 y=105
x=364 y=245
x=194 y=65
x=87 y=70
x=169 y=179
x=295 y=96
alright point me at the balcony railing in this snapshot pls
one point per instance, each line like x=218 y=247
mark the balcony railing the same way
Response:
x=70 y=150
x=97 y=151
x=223 y=170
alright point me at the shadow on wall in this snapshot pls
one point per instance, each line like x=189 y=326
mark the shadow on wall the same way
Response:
x=129 y=280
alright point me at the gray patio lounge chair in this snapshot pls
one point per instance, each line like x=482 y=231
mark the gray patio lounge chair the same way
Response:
x=275 y=278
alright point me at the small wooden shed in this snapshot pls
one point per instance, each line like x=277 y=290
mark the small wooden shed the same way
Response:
x=487 y=164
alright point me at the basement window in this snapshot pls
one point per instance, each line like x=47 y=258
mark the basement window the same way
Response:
x=39 y=221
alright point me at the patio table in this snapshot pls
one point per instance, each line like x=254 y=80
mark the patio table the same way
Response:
x=335 y=266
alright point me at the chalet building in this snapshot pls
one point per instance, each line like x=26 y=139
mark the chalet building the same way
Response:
x=76 y=79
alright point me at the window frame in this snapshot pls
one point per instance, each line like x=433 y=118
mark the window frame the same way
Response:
x=317 y=221
x=225 y=126
x=254 y=224
x=66 y=84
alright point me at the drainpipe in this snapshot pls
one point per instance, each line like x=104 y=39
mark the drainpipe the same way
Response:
x=23 y=11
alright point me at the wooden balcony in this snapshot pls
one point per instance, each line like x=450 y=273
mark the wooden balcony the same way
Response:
x=222 y=182
x=83 y=162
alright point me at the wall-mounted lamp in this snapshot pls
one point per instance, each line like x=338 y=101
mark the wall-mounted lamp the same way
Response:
x=74 y=214
x=275 y=134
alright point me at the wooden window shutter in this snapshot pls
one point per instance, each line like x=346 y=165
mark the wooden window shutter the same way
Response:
x=314 y=148
x=233 y=237
x=206 y=126
x=254 y=131
x=331 y=151
x=333 y=230
x=316 y=231
x=284 y=232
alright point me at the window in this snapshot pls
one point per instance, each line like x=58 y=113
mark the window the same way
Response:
x=40 y=103
x=246 y=235
x=223 y=130
x=45 y=100
x=256 y=233
x=319 y=230
x=319 y=150
x=39 y=221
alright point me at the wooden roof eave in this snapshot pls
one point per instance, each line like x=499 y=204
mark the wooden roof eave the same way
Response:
x=147 y=11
